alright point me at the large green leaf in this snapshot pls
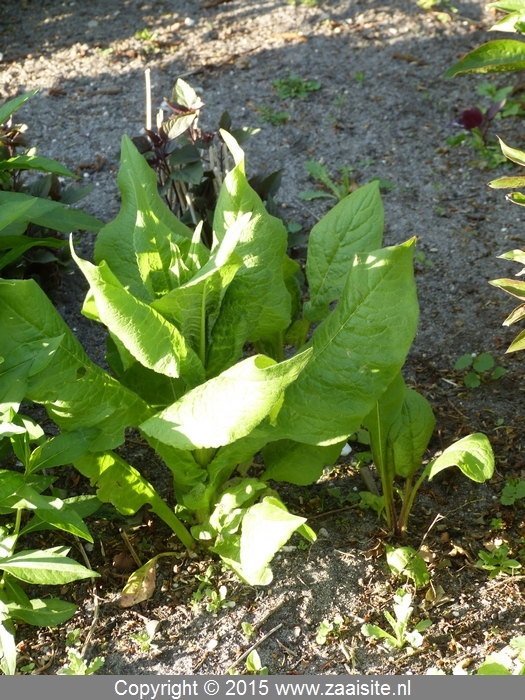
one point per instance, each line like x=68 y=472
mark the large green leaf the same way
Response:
x=153 y=241
x=472 y=454
x=119 y=483
x=7 y=645
x=266 y=527
x=499 y=56
x=508 y=23
x=52 y=369
x=43 y=613
x=355 y=225
x=357 y=351
x=47 y=165
x=116 y=241
x=83 y=506
x=10 y=212
x=45 y=566
x=153 y=341
x=12 y=105
x=297 y=463
x=62 y=449
x=413 y=434
x=514 y=287
x=228 y=407
x=49 y=214
x=49 y=509
x=257 y=301
x=195 y=305
x=19 y=244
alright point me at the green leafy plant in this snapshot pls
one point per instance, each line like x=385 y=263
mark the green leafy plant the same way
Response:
x=293 y=87
x=184 y=322
x=514 y=287
x=254 y=665
x=329 y=629
x=247 y=630
x=400 y=427
x=405 y=561
x=215 y=599
x=512 y=492
x=502 y=55
x=145 y=638
x=399 y=624
x=78 y=666
x=31 y=214
x=335 y=190
x=511 y=107
x=478 y=366
x=422 y=258
x=191 y=163
x=497 y=562
x=24 y=492
x=268 y=114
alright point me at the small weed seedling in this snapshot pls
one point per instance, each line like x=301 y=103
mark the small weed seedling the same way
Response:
x=268 y=114
x=144 y=639
x=478 y=366
x=496 y=524
x=337 y=190
x=77 y=666
x=254 y=665
x=359 y=77
x=329 y=629
x=215 y=599
x=421 y=257
x=403 y=612
x=496 y=562
x=293 y=87
x=405 y=561
x=512 y=492
x=511 y=107
x=247 y=630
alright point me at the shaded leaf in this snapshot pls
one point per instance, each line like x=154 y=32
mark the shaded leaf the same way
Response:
x=472 y=454
x=502 y=55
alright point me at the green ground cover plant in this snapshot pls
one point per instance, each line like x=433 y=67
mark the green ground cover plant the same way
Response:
x=31 y=214
x=512 y=492
x=502 y=55
x=293 y=87
x=478 y=367
x=22 y=493
x=497 y=562
x=401 y=636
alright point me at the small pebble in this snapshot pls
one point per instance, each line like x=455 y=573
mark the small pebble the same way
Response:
x=346 y=450
x=323 y=533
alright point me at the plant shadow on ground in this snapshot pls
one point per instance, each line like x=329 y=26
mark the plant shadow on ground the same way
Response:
x=387 y=108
